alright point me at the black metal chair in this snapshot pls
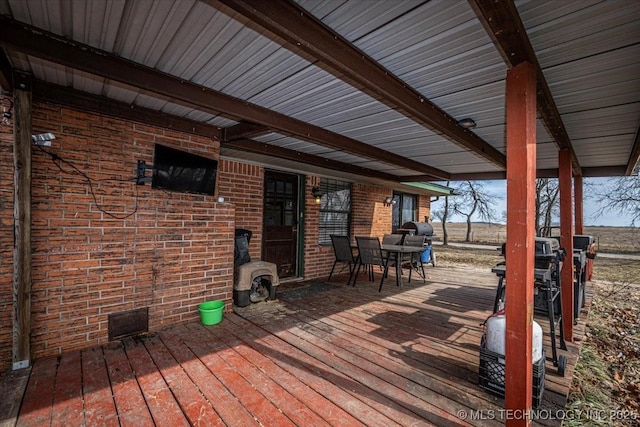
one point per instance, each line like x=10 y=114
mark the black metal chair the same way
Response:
x=370 y=255
x=343 y=253
x=392 y=239
x=414 y=259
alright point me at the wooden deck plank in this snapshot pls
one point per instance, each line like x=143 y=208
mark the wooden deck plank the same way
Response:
x=256 y=403
x=225 y=403
x=324 y=379
x=37 y=402
x=329 y=355
x=99 y=406
x=278 y=394
x=401 y=358
x=315 y=401
x=556 y=383
x=403 y=376
x=439 y=355
x=157 y=394
x=193 y=404
x=364 y=352
x=12 y=388
x=130 y=404
x=67 y=396
x=375 y=391
x=555 y=395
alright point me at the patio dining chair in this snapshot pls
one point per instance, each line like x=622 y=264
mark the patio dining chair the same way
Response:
x=343 y=253
x=370 y=255
x=392 y=239
x=414 y=259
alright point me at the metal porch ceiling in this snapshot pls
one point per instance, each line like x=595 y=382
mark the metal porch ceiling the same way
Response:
x=589 y=52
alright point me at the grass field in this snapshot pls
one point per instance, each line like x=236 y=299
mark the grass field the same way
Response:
x=608 y=239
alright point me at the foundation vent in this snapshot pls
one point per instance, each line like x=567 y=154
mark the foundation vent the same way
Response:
x=128 y=323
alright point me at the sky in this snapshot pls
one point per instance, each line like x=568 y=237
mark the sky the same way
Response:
x=608 y=218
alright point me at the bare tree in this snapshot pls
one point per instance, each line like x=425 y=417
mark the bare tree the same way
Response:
x=473 y=199
x=547 y=193
x=443 y=215
x=620 y=195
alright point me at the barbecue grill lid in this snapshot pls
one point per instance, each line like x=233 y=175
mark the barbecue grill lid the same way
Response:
x=546 y=246
x=419 y=228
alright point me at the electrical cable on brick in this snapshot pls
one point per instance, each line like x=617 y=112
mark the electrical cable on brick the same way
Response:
x=58 y=161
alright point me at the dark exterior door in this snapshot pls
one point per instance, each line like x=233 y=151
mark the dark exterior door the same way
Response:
x=280 y=235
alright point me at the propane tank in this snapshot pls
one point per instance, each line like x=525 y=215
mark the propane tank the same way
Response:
x=497 y=329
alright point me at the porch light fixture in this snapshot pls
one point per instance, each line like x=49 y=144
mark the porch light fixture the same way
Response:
x=317 y=195
x=7 y=106
x=43 y=139
x=467 y=123
x=389 y=201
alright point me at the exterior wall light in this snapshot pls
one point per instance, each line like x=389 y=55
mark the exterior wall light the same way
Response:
x=317 y=195
x=43 y=139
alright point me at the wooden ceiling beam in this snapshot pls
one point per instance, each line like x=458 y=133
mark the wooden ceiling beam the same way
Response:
x=5 y=72
x=503 y=24
x=298 y=30
x=244 y=130
x=635 y=154
x=33 y=41
x=72 y=98
x=310 y=159
x=84 y=101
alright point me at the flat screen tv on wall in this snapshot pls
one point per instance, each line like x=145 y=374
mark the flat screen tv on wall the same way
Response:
x=178 y=170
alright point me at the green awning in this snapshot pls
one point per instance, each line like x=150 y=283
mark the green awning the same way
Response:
x=436 y=189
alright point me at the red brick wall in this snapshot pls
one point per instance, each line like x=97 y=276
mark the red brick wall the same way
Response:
x=243 y=185
x=317 y=259
x=173 y=252
x=370 y=215
x=424 y=208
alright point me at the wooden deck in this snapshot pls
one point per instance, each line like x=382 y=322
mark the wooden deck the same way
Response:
x=321 y=355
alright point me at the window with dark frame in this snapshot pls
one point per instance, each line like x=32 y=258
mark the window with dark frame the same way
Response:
x=335 y=209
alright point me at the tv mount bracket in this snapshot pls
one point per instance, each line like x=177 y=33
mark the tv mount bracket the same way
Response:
x=141 y=179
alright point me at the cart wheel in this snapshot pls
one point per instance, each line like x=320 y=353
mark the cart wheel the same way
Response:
x=562 y=364
x=433 y=258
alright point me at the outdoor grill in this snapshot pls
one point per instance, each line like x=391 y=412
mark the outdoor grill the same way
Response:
x=548 y=261
x=587 y=244
x=546 y=253
x=419 y=229
x=584 y=251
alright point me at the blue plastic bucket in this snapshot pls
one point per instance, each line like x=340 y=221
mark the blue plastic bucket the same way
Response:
x=425 y=256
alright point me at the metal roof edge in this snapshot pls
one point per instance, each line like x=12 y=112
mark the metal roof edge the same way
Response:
x=438 y=190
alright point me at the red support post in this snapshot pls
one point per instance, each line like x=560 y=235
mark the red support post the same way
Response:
x=579 y=203
x=566 y=240
x=521 y=185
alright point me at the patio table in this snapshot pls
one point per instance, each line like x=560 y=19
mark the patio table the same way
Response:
x=398 y=251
